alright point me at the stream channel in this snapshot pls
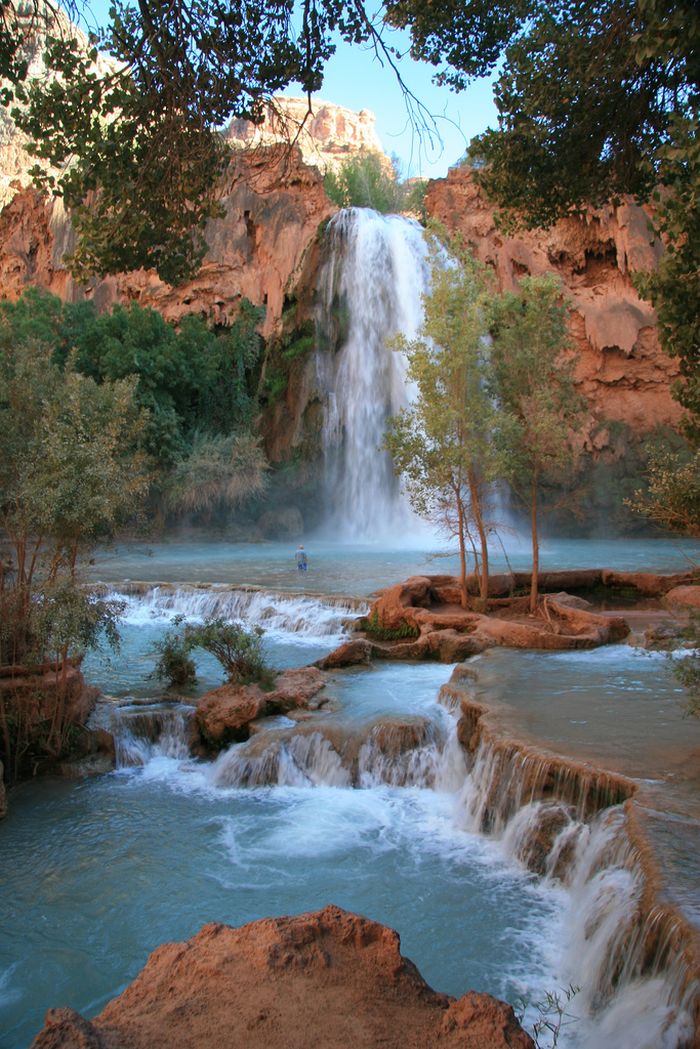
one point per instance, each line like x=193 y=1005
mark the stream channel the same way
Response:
x=372 y=805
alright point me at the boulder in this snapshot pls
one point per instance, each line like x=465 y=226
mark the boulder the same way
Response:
x=224 y=715
x=325 y=980
x=687 y=597
x=294 y=688
x=352 y=653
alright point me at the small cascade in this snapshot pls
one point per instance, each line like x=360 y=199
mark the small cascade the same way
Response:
x=412 y=754
x=633 y=958
x=415 y=753
x=302 y=616
x=370 y=289
x=142 y=733
x=304 y=759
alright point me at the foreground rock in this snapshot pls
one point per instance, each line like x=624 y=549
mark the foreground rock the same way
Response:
x=326 y=980
x=224 y=715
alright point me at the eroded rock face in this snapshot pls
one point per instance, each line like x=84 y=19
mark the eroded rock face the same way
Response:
x=327 y=136
x=328 y=979
x=274 y=204
x=621 y=369
x=428 y=606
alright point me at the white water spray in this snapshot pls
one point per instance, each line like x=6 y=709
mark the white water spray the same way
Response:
x=370 y=290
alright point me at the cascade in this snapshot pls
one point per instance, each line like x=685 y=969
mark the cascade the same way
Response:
x=632 y=957
x=275 y=612
x=144 y=732
x=369 y=289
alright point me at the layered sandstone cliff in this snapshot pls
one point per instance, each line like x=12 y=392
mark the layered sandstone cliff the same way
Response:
x=274 y=204
x=621 y=370
x=327 y=134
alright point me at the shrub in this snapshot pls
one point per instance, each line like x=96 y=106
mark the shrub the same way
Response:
x=237 y=648
x=372 y=625
x=175 y=665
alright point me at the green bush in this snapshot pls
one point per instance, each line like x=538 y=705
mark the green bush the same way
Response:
x=372 y=626
x=175 y=665
x=237 y=648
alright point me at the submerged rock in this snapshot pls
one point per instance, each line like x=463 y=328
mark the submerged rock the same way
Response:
x=328 y=979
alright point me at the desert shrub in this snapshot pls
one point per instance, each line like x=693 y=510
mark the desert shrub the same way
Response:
x=238 y=648
x=175 y=666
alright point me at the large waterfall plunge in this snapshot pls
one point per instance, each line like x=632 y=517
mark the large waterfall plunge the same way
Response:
x=370 y=288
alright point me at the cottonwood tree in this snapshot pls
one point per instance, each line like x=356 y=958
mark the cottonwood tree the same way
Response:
x=444 y=444
x=533 y=379
x=70 y=471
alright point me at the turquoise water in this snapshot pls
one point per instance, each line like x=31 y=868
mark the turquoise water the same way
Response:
x=96 y=874
x=361 y=569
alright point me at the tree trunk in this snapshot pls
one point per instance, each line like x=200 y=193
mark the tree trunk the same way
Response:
x=479 y=521
x=462 y=554
x=534 y=581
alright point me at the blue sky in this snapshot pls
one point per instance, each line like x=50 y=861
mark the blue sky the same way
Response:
x=356 y=79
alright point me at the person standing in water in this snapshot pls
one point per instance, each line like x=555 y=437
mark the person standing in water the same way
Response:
x=301 y=559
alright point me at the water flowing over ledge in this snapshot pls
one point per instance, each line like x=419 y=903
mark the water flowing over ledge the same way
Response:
x=634 y=954
x=302 y=614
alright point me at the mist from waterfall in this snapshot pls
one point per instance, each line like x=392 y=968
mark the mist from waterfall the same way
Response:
x=370 y=289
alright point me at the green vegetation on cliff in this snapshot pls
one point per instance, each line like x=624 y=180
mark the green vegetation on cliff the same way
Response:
x=196 y=388
x=365 y=181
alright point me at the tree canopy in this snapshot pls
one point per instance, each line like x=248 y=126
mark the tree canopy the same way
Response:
x=591 y=94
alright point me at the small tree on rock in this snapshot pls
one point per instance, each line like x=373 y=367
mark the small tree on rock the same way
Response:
x=443 y=444
x=533 y=381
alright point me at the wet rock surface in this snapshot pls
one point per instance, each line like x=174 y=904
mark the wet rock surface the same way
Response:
x=224 y=715
x=427 y=607
x=323 y=980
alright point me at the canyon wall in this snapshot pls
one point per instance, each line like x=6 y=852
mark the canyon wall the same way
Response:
x=268 y=248
x=621 y=370
x=274 y=204
x=326 y=134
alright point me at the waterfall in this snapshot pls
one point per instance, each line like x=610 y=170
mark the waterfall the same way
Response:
x=415 y=753
x=142 y=733
x=303 y=616
x=629 y=954
x=369 y=289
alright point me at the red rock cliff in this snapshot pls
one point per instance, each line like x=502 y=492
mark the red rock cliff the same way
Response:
x=622 y=370
x=274 y=205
